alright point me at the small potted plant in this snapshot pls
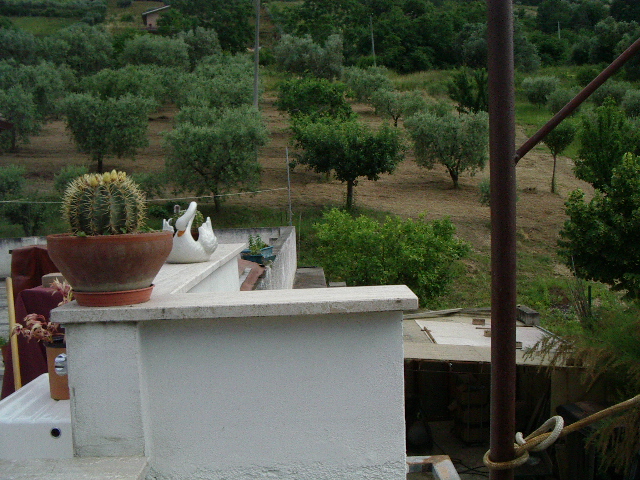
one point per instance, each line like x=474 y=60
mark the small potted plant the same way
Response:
x=258 y=251
x=38 y=327
x=107 y=258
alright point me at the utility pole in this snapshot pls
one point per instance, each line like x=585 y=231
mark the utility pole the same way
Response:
x=256 y=56
x=373 y=46
x=503 y=234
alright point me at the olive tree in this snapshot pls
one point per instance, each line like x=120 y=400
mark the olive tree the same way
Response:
x=156 y=50
x=557 y=141
x=600 y=239
x=459 y=142
x=17 y=106
x=395 y=104
x=348 y=148
x=605 y=136
x=111 y=126
x=303 y=56
x=217 y=152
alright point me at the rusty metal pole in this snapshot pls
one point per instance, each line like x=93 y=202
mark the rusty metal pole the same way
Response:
x=503 y=233
x=569 y=108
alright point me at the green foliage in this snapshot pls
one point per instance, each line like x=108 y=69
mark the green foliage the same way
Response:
x=362 y=251
x=137 y=80
x=348 y=148
x=459 y=142
x=605 y=136
x=606 y=348
x=303 y=56
x=557 y=141
x=201 y=42
x=54 y=8
x=12 y=181
x=599 y=240
x=470 y=90
x=363 y=83
x=30 y=215
x=17 y=106
x=152 y=184
x=114 y=126
x=46 y=82
x=314 y=97
x=219 y=155
x=471 y=42
x=538 y=89
x=394 y=104
x=219 y=81
x=610 y=89
x=104 y=204
x=66 y=175
x=18 y=45
x=625 y=10
x=256 y=244
x=631 y=103
x=230 y=20
x=155 y=50
x=84 y=48
x=559 y=98
x=484 y=196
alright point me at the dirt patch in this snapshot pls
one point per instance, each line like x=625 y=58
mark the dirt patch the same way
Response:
x=410 y=191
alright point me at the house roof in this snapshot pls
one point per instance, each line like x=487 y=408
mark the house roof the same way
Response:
x=453 y=336
x=153 y=10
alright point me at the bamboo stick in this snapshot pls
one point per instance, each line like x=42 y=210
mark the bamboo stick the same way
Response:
x=17 y=378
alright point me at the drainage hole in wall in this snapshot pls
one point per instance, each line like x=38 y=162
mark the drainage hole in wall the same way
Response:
x=55 y=432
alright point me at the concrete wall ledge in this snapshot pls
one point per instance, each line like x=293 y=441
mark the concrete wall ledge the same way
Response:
x=258 y=303
x=105 y=468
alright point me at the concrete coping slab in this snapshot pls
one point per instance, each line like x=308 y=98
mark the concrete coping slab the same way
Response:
x=88 y=468
x=257 y=303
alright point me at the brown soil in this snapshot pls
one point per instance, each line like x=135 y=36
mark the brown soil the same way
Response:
x=410 y=191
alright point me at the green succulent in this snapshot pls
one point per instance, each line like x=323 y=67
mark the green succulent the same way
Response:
x=104 y=204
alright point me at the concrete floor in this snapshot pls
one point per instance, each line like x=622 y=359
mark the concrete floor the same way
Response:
x=467 y=458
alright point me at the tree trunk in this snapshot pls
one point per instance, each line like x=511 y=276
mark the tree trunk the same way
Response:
x=553 y=176
x=14 y=140
x=217 y=203
x=99 y=160
x=350 y=184
x=454 y=176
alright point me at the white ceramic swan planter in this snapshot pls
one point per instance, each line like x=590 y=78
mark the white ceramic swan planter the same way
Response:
x=185 y=248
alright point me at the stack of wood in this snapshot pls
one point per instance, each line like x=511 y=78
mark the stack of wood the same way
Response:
x=470 y=407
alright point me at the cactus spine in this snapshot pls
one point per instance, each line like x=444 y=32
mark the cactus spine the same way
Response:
x=104 y=204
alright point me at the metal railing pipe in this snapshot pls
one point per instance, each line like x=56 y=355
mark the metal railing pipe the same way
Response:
x=503 y=233
x=577 y=100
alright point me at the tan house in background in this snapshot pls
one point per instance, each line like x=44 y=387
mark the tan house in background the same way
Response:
x=150 y=17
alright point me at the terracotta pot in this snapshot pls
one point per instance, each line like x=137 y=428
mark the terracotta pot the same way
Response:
x=58 y=384
x=110 y=263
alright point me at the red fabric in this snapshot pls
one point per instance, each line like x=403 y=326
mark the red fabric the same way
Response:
x=33 y=359
x=28 y=265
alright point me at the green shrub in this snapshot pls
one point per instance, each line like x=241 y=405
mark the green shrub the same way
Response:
x=363 y=83
x=631 y=103
x=611 y=88
x=316 y=97
x=11 y=181
x=362 y=251
x=538 y=89
x=68 y=173
x=485 y=192
x=559 y=98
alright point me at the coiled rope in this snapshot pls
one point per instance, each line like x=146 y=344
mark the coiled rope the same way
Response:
x=550 y=431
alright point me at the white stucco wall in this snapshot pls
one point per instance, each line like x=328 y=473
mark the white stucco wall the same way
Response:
x=288 y=384
x=314 y=397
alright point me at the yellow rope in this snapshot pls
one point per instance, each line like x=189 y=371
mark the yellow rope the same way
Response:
x=534 y=441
